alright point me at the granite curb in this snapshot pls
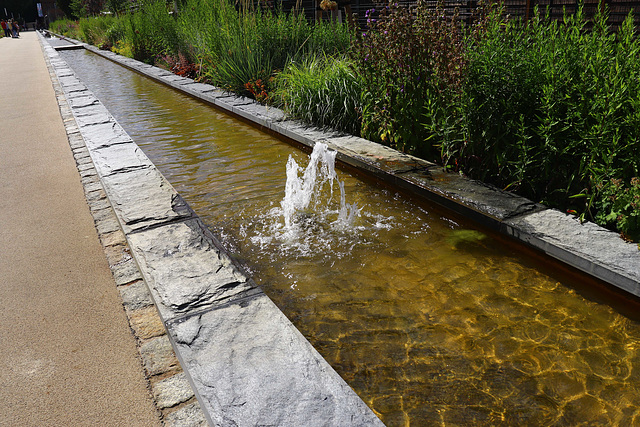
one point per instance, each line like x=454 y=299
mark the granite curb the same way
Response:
x=243 y=360
x=172 y=394
x=585 y=246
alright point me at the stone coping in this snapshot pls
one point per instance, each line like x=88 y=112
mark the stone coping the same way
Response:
x=587 y=247
x=245 y=361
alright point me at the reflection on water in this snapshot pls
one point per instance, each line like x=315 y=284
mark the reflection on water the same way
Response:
x=430 y=321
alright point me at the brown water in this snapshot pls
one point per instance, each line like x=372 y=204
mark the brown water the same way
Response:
x=430 y=321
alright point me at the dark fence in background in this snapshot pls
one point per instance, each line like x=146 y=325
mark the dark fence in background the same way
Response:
x=356 y=9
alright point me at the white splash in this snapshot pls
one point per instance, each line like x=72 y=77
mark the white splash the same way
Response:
x=302 y=190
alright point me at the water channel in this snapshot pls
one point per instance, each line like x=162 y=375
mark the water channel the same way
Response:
x=430 y=320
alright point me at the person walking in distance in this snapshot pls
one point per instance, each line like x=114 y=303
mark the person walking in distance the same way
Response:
x=16 y=28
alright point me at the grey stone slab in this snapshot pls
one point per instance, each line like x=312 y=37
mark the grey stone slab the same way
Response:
x=184 y=269
x=64 y=72
x=104 y=135
x=85 y=164
x=232 y=100
x=101 y=209
x=174 y=78
x=196 y=87
x=70 y=124
x=76 y=141
x=252 y=367
x=82 y=156
x=95 y=186
x=158 y=356
x=106 y=53
x=81 y=99
x=75 y=88
x=586 y=246
x=300 y=132
x=92 y=116
x=69 y=81
x=107 y=225
x=485 y=198
x=69 y=47
x=158 y=72
x=95 y=197
x=381 y=156
x=248 y=115
x=259 y=114
x=120 y=158
x=143 y=198
x=89 y=180
x=90 y=171
x=54 y=42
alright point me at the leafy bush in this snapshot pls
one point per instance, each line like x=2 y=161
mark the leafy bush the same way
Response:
x=619 y=207
x=152 y=31
x=94 y=30
x=551 y=109
x=408 y=59
x=66 y=27
x=116 y=32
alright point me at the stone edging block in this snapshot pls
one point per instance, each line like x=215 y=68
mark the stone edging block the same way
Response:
x=185 y=271
x=248 y=387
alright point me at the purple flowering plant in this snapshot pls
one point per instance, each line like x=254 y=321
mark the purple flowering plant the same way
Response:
x=408 y=58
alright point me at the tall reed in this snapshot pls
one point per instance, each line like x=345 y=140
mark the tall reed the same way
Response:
x=244 y=44
x=322 y=90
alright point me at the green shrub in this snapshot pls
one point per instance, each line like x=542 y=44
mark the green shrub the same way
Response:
x=66 y=27
x=324 y=91
x=116 y=32
x=551 y=109
x=408 y=59
x=94 y=30
x=619 y=207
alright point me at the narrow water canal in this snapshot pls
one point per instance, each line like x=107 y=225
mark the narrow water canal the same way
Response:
x=430 y=321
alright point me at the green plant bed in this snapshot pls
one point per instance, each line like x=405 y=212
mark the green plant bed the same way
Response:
x=547 y=109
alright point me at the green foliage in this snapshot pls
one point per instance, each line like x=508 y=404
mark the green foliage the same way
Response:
x=66 y=27
x=619 y=207
x=551 y=109
x=411 y=62
x=85 y=8
x=94 y=30
x=322 y=90
x=152 y=31
x=116 y=6
x=242 y=45
x=116 y=32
